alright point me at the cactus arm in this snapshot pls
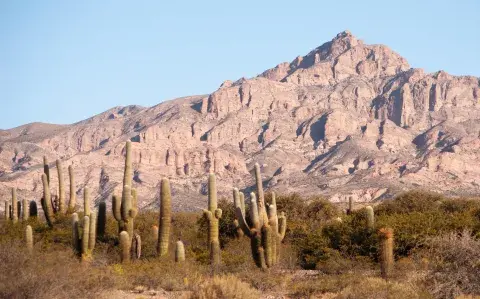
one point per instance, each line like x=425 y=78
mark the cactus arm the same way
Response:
x=86 y=201
x=116 y=207
x=242 y=202
x=282 y=226
x=127 y=174
x=218 y=213
x=48 y=211
x=137 y=246
x=242 y=222
x=212 y=192
x=92 y=234
x=85 y=236
x=254 y=212
x=261 y=198
x=267 y=242
x=46 y=169
x=25 y=210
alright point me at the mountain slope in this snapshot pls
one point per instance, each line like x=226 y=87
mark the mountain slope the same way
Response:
x=347 y=119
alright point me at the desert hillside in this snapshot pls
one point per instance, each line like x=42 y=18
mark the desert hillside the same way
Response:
x=346 y=120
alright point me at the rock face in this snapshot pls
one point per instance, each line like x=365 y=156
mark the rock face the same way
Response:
x=347 y=119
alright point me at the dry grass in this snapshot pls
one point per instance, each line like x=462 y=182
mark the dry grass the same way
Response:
x=225 y=287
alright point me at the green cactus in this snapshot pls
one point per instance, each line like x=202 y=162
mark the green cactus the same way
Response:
x=25 y=209
x=128 y=212
x=72 y=204
x=46 y=201
x=117 y=212
x=7 y=210
x=29 y=239
x=14 y=206
x=238 y=201
x=370 y=217
x=262 y=211
x=125 y=245
x=85 y=236
x=86 y=201
x=92 y=232
x=61 y=188
x=46 y=169
x=165 y=218
x=102 y=219
x=350 y=205
x=84 y=243
x=213 y=215
x=33 y=209
x=386 y=252
x=76 y=244
x=136 y=247
x=127 y=172
x=267 y=237
x=179 y=252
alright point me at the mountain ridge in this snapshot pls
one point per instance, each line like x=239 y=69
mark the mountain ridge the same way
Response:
x=345 y=120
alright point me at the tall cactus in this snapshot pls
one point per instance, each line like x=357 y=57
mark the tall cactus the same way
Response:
x=25 y=209
x=46 y=201
x=33 y=209
x=165 y=218
x=86 y=201
x=14 y=206
x=265 y=235
x=46 y=169
x=77 y=247
x=262 y=211
x=29 y=239
x=179 y=252
x=370 y=217
x=386 y=252
x=350 y=205
x=213 y=215
x=72 y=204
x=125 y=246
x=7 y=210
x=61 y=189
x=102 y=219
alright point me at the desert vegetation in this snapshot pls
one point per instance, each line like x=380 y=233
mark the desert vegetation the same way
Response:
x=417 y=245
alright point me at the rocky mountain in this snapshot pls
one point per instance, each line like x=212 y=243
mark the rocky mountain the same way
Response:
x=347 y=119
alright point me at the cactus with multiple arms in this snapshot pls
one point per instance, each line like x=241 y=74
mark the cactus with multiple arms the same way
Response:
x=85 y=244
x=73 y=197
x=165 y=218
x=61 y=188
x=267 y=231
x=213 y=215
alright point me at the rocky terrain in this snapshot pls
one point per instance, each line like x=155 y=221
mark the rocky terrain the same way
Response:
x=347 y=119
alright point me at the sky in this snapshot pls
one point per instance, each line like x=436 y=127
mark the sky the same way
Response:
x=64 y=61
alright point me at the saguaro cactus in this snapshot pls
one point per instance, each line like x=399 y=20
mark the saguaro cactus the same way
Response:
x=102 y=219
x=14 y=206
x=128 y=212
x=350 y=205
x=179 y=252
x=265 y=238
x=386 y=252
x=46 y=169
x=72 y=204
x=29 y=239
x=370 y=217
x=61 y=188
x=136 y=247
x=213 y=215
x=238 y=201
x=25 y=209
x=46 y=201
x=165 y=218
x=262 y=211
x=125 y=247
x=85 y=244
x=7 y=210
x=76 y=234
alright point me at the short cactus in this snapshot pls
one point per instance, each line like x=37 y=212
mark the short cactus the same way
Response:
x=29 y=239
x=14 y=206
x=179 y=252
x=386 y=252
x=33 y=209
x=136 y=247
x=155 y=233
x=265 y=238
x=370 y=217
x=25 y=209
x=72 y=204
x=61 y=188
x=102 y=219
x=125 y=246
x=165 y=218
x=213 y=215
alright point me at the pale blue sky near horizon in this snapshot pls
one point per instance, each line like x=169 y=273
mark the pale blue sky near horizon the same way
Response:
x=64 y=61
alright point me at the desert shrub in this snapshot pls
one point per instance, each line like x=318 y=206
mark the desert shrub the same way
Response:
x=411 y=201
x=454 y=265
x=378 y=288
x=224 y=287
x=55 y=274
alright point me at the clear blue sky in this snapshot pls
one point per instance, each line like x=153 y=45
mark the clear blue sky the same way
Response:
x=66 y=60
